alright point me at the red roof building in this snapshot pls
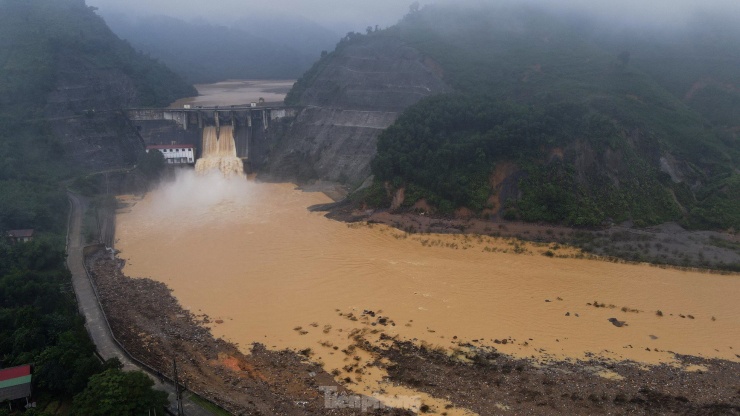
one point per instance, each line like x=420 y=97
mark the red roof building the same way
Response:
x=15 y=383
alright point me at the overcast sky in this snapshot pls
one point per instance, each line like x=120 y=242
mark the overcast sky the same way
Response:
x=338 y=15
x=345 y=15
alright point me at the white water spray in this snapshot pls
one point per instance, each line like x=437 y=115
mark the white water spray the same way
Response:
x=219 y=153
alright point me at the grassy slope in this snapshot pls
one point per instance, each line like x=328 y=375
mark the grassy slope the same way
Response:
x=542 y=62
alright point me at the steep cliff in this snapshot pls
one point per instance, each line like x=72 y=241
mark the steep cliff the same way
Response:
x=81 y=112
x=348 y=98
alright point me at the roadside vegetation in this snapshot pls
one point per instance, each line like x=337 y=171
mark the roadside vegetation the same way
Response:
x=40 y=324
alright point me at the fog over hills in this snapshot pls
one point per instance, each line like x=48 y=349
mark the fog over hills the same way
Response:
x=302 y=35
x=342 y=16
x=338 y=15
x=286 y=37
x=203 y=52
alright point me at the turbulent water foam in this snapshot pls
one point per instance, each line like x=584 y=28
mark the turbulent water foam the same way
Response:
x=219 y=153
x=200 y=194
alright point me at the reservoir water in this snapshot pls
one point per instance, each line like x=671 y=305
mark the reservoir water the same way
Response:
x=237 y=92
x=251 y=255
x=256 y=261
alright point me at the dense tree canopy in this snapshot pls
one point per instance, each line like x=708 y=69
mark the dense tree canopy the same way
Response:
x=531 y=84
x=118 y=393
x=446 y=148
x=38 y=318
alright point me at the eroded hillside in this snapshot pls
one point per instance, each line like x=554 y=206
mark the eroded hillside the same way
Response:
x=348 y=98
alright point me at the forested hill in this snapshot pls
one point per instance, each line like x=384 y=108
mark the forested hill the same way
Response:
x=39 y=38
x=59 y=64
x=565 y=120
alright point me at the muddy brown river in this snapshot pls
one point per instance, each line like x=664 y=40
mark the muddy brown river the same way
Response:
x=251 y=255
x=237 y=92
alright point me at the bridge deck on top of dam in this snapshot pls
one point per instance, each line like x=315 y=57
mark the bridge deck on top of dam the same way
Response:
x=201 y=116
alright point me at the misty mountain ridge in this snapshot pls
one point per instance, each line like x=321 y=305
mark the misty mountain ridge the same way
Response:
x=556 y=118
x=253 y=48
x=302 y=35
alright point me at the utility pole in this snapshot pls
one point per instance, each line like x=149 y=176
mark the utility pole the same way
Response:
x=100 y=229
x=178 y=394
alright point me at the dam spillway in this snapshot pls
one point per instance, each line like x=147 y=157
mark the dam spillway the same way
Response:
x=250 y=127
x=219 y=152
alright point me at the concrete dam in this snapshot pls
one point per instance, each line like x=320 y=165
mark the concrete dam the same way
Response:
x=249 y=125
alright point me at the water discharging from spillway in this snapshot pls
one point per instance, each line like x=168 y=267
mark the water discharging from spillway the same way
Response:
x=219 y=152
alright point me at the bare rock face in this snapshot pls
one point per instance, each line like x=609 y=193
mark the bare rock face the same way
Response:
x=99 y=142
x=330 y=144
x=81 y=87
x=82 y=112
x=374 y=73
x=358 y=92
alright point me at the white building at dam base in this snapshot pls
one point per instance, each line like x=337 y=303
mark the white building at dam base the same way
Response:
x=175 y=154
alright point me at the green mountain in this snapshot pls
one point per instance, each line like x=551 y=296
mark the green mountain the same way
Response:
x=62 y=76
x=37 y=36
x=60 y=66
x=556 y=118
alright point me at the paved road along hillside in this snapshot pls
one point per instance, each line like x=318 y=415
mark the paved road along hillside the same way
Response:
x=91 y=310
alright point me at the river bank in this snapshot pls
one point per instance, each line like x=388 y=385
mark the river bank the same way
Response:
x=666 y=245
x=266 y=270
x=155 y=328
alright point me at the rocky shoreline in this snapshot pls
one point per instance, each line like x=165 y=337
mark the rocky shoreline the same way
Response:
x=152 y=325
x=155 y=329
x=491 y=383
x=666 y=245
